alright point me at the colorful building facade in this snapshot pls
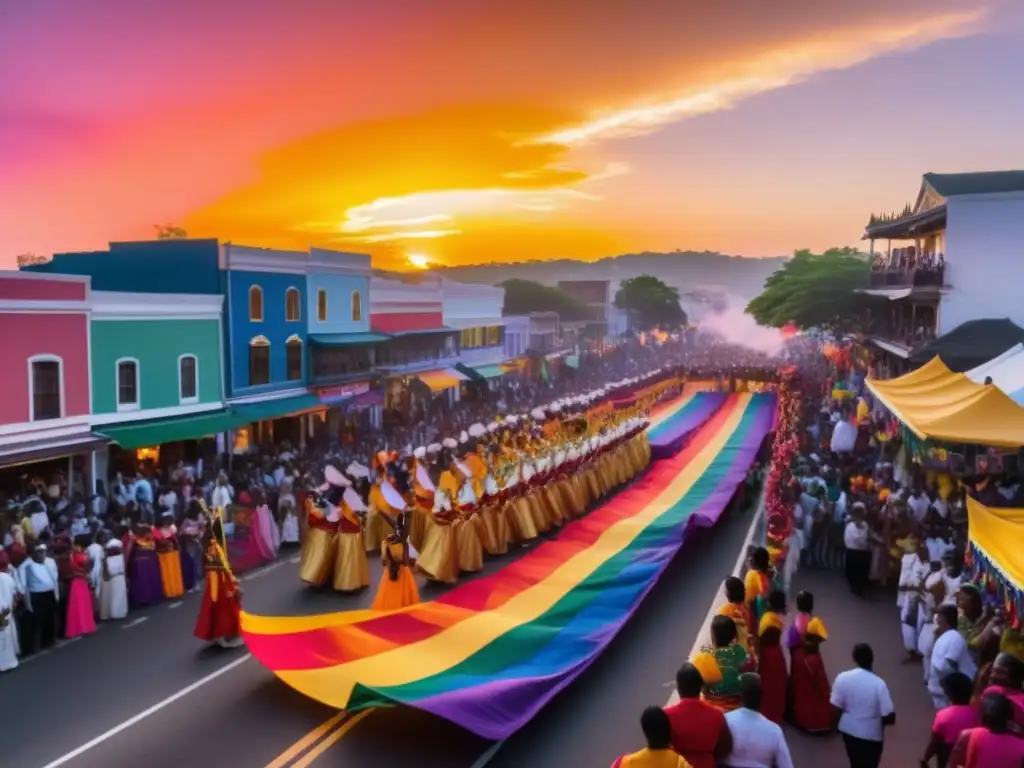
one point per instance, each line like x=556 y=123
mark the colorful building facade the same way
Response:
x=44 y=413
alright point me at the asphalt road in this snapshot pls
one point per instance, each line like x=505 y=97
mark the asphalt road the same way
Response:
x=146 y=692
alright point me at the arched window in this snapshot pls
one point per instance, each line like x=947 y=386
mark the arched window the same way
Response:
x=293 y=355
x=255 y=304
x=127 y=384
x=46 y=387
x=292 y=311
x=321 y=305
x=259 y=361
x=188 y=379
x=357 y=307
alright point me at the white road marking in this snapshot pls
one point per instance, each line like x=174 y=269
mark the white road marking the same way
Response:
x=705 y=628
x=135 y=622
x=174 y=605
x=486 y=757
x=295 y=559
x=264 y=571
x=147 y=713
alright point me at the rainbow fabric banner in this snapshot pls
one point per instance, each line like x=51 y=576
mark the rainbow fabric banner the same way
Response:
x=491 y=652
x=670 y=435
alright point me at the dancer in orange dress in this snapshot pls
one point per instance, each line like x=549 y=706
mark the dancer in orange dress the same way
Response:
x=397 y=585
x=218 y=620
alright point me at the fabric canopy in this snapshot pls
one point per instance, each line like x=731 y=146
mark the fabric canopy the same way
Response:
x=948 y=406
x=274 y=409
x=160 y=431
x=997 y=533
x=440 y=380
x=490 y=371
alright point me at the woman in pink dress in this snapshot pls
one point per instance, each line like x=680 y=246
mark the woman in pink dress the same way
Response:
x=993 y=745
x=80 y=619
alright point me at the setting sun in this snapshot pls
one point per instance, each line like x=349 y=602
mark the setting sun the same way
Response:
x=419 y=261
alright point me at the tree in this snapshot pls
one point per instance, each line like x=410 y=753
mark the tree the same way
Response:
x=170 y=232
x=650 y=303
x=28 y=259
x=817 y=290
x=525 y=296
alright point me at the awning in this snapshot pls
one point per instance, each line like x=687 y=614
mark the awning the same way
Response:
x=365 y=400
x=513 y=365
x=469 y=373
x=441 y=380
x=421 y=332
x=160 y=431
x=54 y=448
x=899 y=293
x=573 y=361
x=347 y=339
x=490 y=371
x=264 y=410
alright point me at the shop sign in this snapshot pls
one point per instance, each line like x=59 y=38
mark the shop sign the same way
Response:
x=344 y=391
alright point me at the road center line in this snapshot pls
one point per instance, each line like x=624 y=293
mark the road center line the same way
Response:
x=147 y=713
x=331 y=740
x=306 y=741
x=134 y=622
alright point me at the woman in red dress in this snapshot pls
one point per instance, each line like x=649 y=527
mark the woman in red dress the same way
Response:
x=219 y=614
x=809 y=689
x=772 y=661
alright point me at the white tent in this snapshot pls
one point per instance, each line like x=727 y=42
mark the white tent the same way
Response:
x=1006 y=372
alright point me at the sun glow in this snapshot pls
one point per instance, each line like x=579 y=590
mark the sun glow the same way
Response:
x=419 y=260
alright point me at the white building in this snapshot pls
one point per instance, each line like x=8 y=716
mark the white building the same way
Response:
x=475 y=312
x=951 y=257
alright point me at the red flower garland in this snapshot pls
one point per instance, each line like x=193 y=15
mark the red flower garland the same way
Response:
x=786 y=445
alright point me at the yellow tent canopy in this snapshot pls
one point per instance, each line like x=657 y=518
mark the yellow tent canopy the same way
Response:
x=937 y=404
x=998 y=533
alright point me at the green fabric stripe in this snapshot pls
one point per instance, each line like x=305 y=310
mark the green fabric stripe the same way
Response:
x=525 y=640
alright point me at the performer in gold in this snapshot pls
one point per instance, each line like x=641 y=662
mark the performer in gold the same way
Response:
x=319 y=545
x=397 y=584
x=422 y=494
x=351 y=569
x=438 y=560
x=467 y=525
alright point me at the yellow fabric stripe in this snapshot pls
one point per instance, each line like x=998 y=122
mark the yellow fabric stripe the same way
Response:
x=287 y=625
x=333 y=685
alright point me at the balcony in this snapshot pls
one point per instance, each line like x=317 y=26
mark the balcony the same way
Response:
x=902 y=339
x=913 y=277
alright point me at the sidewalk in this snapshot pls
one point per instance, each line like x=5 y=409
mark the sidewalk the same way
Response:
x=850 y=620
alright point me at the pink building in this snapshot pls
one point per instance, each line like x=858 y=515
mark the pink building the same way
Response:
x=45 y=395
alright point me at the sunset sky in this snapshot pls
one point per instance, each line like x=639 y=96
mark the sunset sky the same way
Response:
x=470 y=131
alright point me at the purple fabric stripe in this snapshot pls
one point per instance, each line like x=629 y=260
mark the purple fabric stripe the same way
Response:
x=671 y=435
x=468 y=706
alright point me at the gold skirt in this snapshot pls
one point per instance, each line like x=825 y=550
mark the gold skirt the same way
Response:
x=520 y=520
x=400 y=593
x=593 y=482
x=495 y=529
x=541 y=519
x=317 y=556
x=572 y=496
x=373 y=531
x=419 y=519
x=351 y=570
x=553 y=503
x=170 y=574
x=438 y=559
x=469 y=544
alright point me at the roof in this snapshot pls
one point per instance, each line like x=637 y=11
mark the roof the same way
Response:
x=972 y=343
x=906 y=226
x=980 y=183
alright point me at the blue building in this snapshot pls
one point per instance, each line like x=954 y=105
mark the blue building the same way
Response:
x=338 y=292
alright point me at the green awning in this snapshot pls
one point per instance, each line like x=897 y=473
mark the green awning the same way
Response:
x=158 y=431
x=490 y=371
x=264 y=410
x=573 y=361
x=471 y=373
x=347 y=339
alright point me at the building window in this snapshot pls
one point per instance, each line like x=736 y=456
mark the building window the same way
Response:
x=255 y=304
x=357 y=307
x=292 y=312
x=188 y=379
x=47 y=388
x=321 y=305
x=494 y=335
x=293 y=354
x=127 y=384
x=259 y=361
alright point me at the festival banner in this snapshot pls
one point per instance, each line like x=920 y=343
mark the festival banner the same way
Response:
x=490 y=653
x=669 y=436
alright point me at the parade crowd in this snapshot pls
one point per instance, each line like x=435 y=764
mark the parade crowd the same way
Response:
x=69 y=560
x=838 y=479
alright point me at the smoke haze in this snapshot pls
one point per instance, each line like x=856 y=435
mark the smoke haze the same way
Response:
x=737 y=327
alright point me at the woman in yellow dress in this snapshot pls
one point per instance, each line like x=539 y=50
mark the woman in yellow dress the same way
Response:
x=423 y=496
x=476 y=462
x=319 y=545
x=351 y=569
x=467 y=524
x=497 y=532
x=397 y=584
x=513 y=490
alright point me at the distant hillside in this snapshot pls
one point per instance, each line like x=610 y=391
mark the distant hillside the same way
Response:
x=688 y=271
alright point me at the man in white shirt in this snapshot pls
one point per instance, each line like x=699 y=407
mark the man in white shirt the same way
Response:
x=858 y=550
x=757 y=742
x=861 y=701
x=41 y=583
x=949 y=654
x=223 y=494
x=919 y=504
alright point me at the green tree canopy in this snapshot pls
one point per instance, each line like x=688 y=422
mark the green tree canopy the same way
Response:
x=525 y=296
x=816 y=290
x=650 y=303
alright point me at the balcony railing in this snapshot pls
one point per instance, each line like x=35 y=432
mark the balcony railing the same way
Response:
x=915 y=277
x=905 y=336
